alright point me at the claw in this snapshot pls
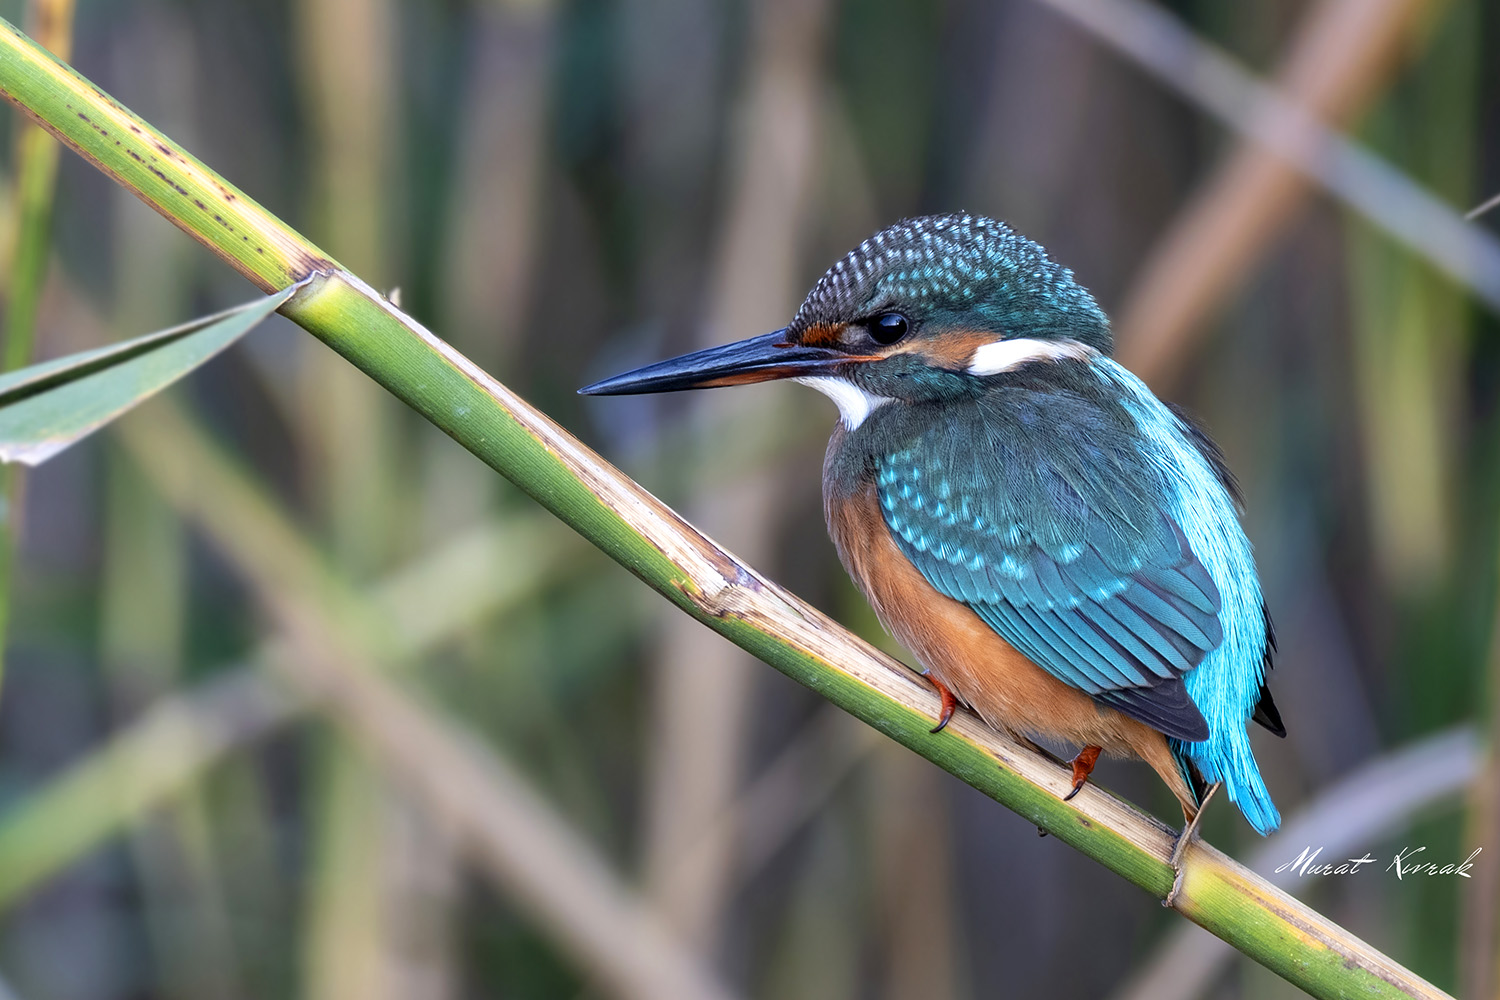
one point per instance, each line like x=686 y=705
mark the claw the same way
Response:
x=1083 y=766
x=950 y=703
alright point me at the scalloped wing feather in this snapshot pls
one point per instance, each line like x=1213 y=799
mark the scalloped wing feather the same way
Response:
x=1039 y=511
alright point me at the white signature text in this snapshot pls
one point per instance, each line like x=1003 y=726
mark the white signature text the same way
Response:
x=1406 y=862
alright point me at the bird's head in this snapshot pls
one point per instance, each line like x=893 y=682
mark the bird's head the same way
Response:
x=926 y=308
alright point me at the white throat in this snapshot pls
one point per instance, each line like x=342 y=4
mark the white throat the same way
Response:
x=854 y=403
x=1006 y=355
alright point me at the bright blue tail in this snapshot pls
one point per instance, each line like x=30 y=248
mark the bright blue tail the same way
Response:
x=1226 y=757
x=1226 y=685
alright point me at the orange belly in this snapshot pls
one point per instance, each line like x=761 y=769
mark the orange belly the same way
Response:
x=1005 y=688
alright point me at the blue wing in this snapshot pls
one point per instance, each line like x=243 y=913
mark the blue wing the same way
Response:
x=1041 y=511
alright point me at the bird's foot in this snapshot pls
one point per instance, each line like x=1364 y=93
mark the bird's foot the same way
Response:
x=950 y=703
x=1083 y=766
x=1179 y=849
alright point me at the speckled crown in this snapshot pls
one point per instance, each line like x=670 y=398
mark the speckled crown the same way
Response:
x=957 y=269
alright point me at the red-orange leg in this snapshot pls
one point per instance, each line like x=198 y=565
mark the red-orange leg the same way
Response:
x=950 y=703
x=1083 y=766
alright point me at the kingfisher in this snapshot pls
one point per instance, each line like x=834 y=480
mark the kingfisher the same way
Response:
x=1058 y=548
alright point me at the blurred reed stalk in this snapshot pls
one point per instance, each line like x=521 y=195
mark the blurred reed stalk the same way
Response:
x=360 y=941
x=497 y=196
x=915 y=906
x=338 y=651
x=160 y=756
x=51 y=24
x=816 y=952
x=654 y=543
x=701 y=713
x=172 y=850
x=1479 y=948
x=172 y=744
x=1157 y=42
x=1342 y=57
x=1412 y=329
x=788 y=792
x=30 y=251
x=144 y=603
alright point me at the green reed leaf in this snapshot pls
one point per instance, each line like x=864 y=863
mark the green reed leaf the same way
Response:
x=49 y=406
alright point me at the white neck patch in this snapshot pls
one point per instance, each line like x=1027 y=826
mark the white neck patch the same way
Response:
x=1007 y=355
x=854 y=403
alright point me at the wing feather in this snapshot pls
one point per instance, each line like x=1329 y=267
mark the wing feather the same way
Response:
x=1041 y=511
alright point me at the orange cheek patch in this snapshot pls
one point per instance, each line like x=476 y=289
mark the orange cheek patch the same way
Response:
x=953 y=350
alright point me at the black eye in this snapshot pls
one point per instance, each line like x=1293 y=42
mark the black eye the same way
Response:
x=887 y=328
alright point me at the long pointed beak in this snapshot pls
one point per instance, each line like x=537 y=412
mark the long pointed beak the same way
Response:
x=759 y=359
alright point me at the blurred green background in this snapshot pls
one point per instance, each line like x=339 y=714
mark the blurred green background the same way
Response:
x=566 y=189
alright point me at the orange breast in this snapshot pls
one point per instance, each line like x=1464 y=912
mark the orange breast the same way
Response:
x=1005 y=688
